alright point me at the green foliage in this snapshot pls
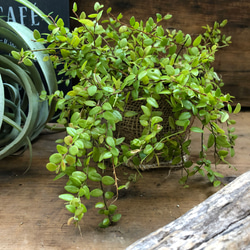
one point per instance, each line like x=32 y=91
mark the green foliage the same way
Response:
x=115 y=63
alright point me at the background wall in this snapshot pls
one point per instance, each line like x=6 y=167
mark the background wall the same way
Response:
x=233 y=64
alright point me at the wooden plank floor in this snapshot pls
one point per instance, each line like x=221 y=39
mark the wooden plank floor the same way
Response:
x=32 y=216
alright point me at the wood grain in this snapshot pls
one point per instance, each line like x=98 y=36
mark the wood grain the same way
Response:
x=220 y=222
x=33 y=217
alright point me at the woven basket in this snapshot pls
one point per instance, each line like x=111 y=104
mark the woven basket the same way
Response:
x=130 y=128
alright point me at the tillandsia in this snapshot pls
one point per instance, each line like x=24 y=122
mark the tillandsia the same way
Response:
x=20 y=87
x=115 y=63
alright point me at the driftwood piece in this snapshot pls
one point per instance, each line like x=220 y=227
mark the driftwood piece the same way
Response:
x=220 y=222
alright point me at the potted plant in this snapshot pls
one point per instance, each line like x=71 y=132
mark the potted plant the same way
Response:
x=133 y=76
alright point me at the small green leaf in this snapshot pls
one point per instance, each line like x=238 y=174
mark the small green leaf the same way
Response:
x=99 y=205
x=55 y=158
x=146 y=110
x=167 y=17
x=73 y=150
x=196 y=130
x=156 y=119
x=96 y=192
x=116 y=217
x=218 y=175
x=148 y=149
x=93 y=176
x=66 y=197
x=159 y=146
x=71 y=131
x=109 y=195
x=108 y=180
x=182 y=123
x=171 y=122
x=223 y=153
x=170 y=70
x=223 y=23
x=70 y=159
x=110 y=141
x=65 y=53
x=90 y=103
x=123 y=42
x=237 y=108
x=106 y=106
x=222 y=141
x=187 y=104
x=80 y=175
x=132 y=21
x=27 y=62
x=86 y=22
x=197 y=41
x=71 y=189
x=71 y=208
x=130 y=113
x=188 y=40
x=216 y=183
x=75 y=7
x=95 y=110
x=98 y=41
x=36 y=34
x=109 y=116
x=152 y=102
x=101 y=165
x=16 y=55
x=112 y=208
x=92 y=90
x=86 y=192
x=142 y=74
x=106 y=222
x=179 y=37
x=79 y=144
x=210 y=141
x=185 y=116
x=51 y=166
x=105 y=155
x=75 y=181
x=109 y=10
x=224 y=116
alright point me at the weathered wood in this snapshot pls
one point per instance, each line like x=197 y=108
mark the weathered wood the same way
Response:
x=32 y=216
x=220 y=222
x=189 y=16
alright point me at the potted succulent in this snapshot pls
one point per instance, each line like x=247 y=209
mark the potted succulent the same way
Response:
x=139 y=87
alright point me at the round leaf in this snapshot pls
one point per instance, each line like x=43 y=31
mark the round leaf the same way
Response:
x=55 y=158
x=71 y=189
x=71 y=208
x=96 y=192
x=108 y=180
x=99 y=205
x=51 y=166
x=61 y=149
x=109 y=195
x=116 y=217
x=73 y=150
x=66 y=197
x=93 y=176
x=92 y=90
x=80 y=175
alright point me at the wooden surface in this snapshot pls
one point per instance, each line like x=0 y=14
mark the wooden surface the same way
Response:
x=33 y=217
x=233 y=64
x=220 y=222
